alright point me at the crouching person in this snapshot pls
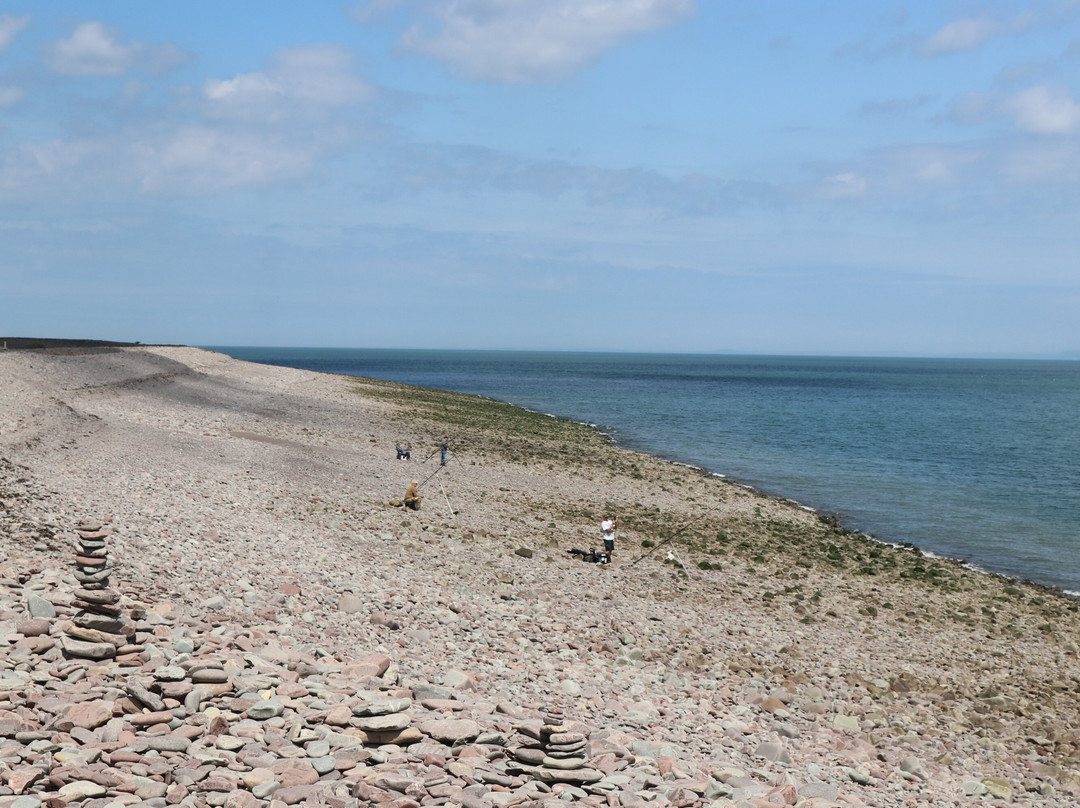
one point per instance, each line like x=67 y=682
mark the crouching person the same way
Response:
x=413 y=497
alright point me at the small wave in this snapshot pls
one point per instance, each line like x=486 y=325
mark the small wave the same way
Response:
x=970 y=565
x=686 y=465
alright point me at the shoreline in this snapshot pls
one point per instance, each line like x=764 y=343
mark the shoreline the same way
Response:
x=253 y=501
x=838 y=519
x=954 y=538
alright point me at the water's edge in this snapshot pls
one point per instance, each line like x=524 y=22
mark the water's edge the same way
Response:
x=847 y=437
x=837 y=519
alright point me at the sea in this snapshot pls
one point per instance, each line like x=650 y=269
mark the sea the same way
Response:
x=972 y=459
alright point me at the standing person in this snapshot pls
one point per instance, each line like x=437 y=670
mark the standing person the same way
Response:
x=607 y=532
x=443 y=446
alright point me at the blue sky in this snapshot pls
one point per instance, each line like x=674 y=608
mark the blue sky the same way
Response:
x=643 y=175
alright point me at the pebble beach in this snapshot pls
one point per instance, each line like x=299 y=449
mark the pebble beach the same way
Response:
x=210 y=595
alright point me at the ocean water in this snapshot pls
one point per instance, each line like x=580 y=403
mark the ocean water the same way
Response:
x=972 y=459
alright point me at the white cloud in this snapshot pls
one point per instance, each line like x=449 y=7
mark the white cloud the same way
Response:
x=848 y=185
x=94 y=49
x=528 y=41
x=203 y=159
x=9 y=27
x=9 y=95
x=1044 y=164
x=961 y=35
x=1045 y=111
x=91 y=50
x=252 y=130
x=373 y=10
x=41 y=168
x=308 y=79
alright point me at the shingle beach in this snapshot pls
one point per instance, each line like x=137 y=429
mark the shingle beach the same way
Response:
x=209 y=597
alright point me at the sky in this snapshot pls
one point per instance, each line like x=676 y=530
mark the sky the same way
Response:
x=691 y=176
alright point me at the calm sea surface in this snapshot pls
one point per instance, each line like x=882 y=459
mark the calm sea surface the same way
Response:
x=972 y=459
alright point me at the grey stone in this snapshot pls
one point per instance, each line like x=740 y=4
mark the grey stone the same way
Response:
x=93 y=577
x=859 y=776
x=209 y=676
x=563 y=763
x=88 y=650
x=193 y=701
x=37 y=606
x=170 y=673
x=580 y=776
x=264 y=790
x=715 y=790
x=160 y=743
x=823 y=791
x=26 y=802
x=100 y=622
x=425 y=690
x=137 y=691
x=265 y=709
x=350 y=604
x=324 y=765
x=773 y=751
x=913 y=766
x=383 y=723
x=383 y=707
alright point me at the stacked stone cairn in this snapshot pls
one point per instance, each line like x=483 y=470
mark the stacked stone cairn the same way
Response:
x=98 y=628
x=385 y=721
x=555 y=752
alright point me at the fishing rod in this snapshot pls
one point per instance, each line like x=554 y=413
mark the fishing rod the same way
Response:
x=671 y=538
x=438 y=468
x=438 y=449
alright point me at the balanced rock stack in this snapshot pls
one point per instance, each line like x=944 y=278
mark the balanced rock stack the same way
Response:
x=555 y=752
x=98 y=627
x=384 y=721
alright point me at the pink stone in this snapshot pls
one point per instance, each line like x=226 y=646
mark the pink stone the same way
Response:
x=217 y=784
x=149 y=719
x=241 y=799
x=338 y=716
x=90 y=714
x=772 y=704
x=37 y=645
x=370 y=665
x=295 y=773
x=786 y=793
x=451 y=731
x=34 y=627
x=404 y=802
x=18 y=779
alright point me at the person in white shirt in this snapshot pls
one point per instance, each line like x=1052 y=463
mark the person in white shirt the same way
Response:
x=607 y=532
